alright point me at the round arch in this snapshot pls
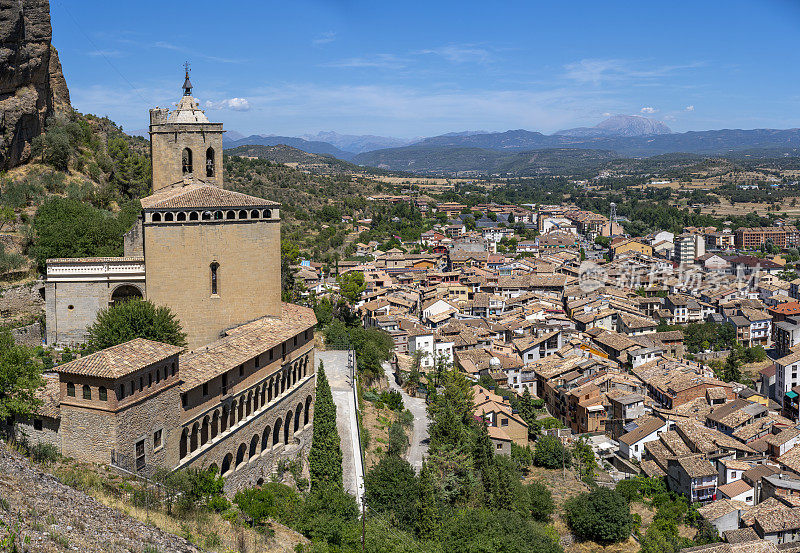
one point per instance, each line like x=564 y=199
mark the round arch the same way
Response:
x=125 y=292
x=226 y=464
x=297 y=412
x=253 y=446
x=240 y=453
x=287 y=428
x=276 y=434
x=307 y=411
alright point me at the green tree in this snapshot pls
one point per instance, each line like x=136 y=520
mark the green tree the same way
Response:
x=135 y=318
x=351 y=285
x=428 y=518
x=550 y=453
x=601 y=515
x=325 y=456
x=537 y=501
x=481 y=530
x=392 y=486
x=65 y=227
x=20 y=377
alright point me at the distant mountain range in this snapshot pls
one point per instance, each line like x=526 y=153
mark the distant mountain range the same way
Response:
x=619 y=136
x=310 y=146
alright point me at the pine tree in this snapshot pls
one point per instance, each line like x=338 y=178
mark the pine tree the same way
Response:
x=325 y=457
x=428 y=519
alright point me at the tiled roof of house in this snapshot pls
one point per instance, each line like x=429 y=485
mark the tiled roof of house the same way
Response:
x=201 y=195
x=737 y=487
x=244 y=343
x=120 y=360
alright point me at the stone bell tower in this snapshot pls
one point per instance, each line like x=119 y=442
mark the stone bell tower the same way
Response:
x=184 y=143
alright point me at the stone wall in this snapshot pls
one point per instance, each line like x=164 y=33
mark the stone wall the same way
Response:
x=21 y=302
x=87 y=434
x=166 y=148
x=140 y=421
x=49 y=434
x=71 y=307
x=28 y=335
x=259 y=463
x=179 y=258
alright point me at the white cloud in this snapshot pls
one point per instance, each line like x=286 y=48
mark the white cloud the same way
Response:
x=325 y=38
x=235 y=104
x=459 y=53
x=689 y=108
x=382 y=61
x=648 y=110
x=596 y=71
x=606 y=114
x=670 y=118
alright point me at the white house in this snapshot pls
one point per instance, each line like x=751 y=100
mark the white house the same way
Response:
x=432 y=349
x=648 y=429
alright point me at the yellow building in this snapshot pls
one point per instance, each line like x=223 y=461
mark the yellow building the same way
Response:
x=630 y=245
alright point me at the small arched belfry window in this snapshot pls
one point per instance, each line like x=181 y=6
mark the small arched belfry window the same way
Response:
x=186 y=161
x=210 y=162
x=214 y=278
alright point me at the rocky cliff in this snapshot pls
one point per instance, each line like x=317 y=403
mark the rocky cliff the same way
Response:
x=32 y=85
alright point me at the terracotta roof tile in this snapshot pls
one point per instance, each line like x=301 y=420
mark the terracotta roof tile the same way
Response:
x=200 y=196
x=120 y=360
x=243 y=343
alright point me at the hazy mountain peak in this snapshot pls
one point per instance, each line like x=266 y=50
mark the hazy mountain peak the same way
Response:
x=620 y=125
x=633 y=125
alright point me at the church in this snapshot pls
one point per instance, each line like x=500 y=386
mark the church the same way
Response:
x=240 y=397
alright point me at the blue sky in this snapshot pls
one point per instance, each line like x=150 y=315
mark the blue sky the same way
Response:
x=412 y=69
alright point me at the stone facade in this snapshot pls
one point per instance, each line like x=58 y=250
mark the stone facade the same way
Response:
x=77 y=289
x=179 y=259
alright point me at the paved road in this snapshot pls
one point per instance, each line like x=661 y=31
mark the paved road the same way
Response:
x=419 y=435
x=335 y=363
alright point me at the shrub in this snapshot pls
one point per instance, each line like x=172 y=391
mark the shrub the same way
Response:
x=43 y=452
x=601 y=515
x=550 y=453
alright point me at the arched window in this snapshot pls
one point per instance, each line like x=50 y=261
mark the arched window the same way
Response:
x=218 y=215
x=168 y=216
x=181 y=216
x=194 y=216
x=204 y=431
x=287 y=428
x=253 y=446
x=268 y=214
x=214 y=425
x=223 y=426
x=307 y=412
x=265 y=439
x=210 y=162
x=240 y=454
x=297 y=413
x=156 y=217
x=254 y=214
x=186 y=161
x=226 y=464
x=194 y=438
x=87 y=392
x=214 y=279
x=184 y=443
x=276 y=434
x=243 y=214
x=230 y=215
